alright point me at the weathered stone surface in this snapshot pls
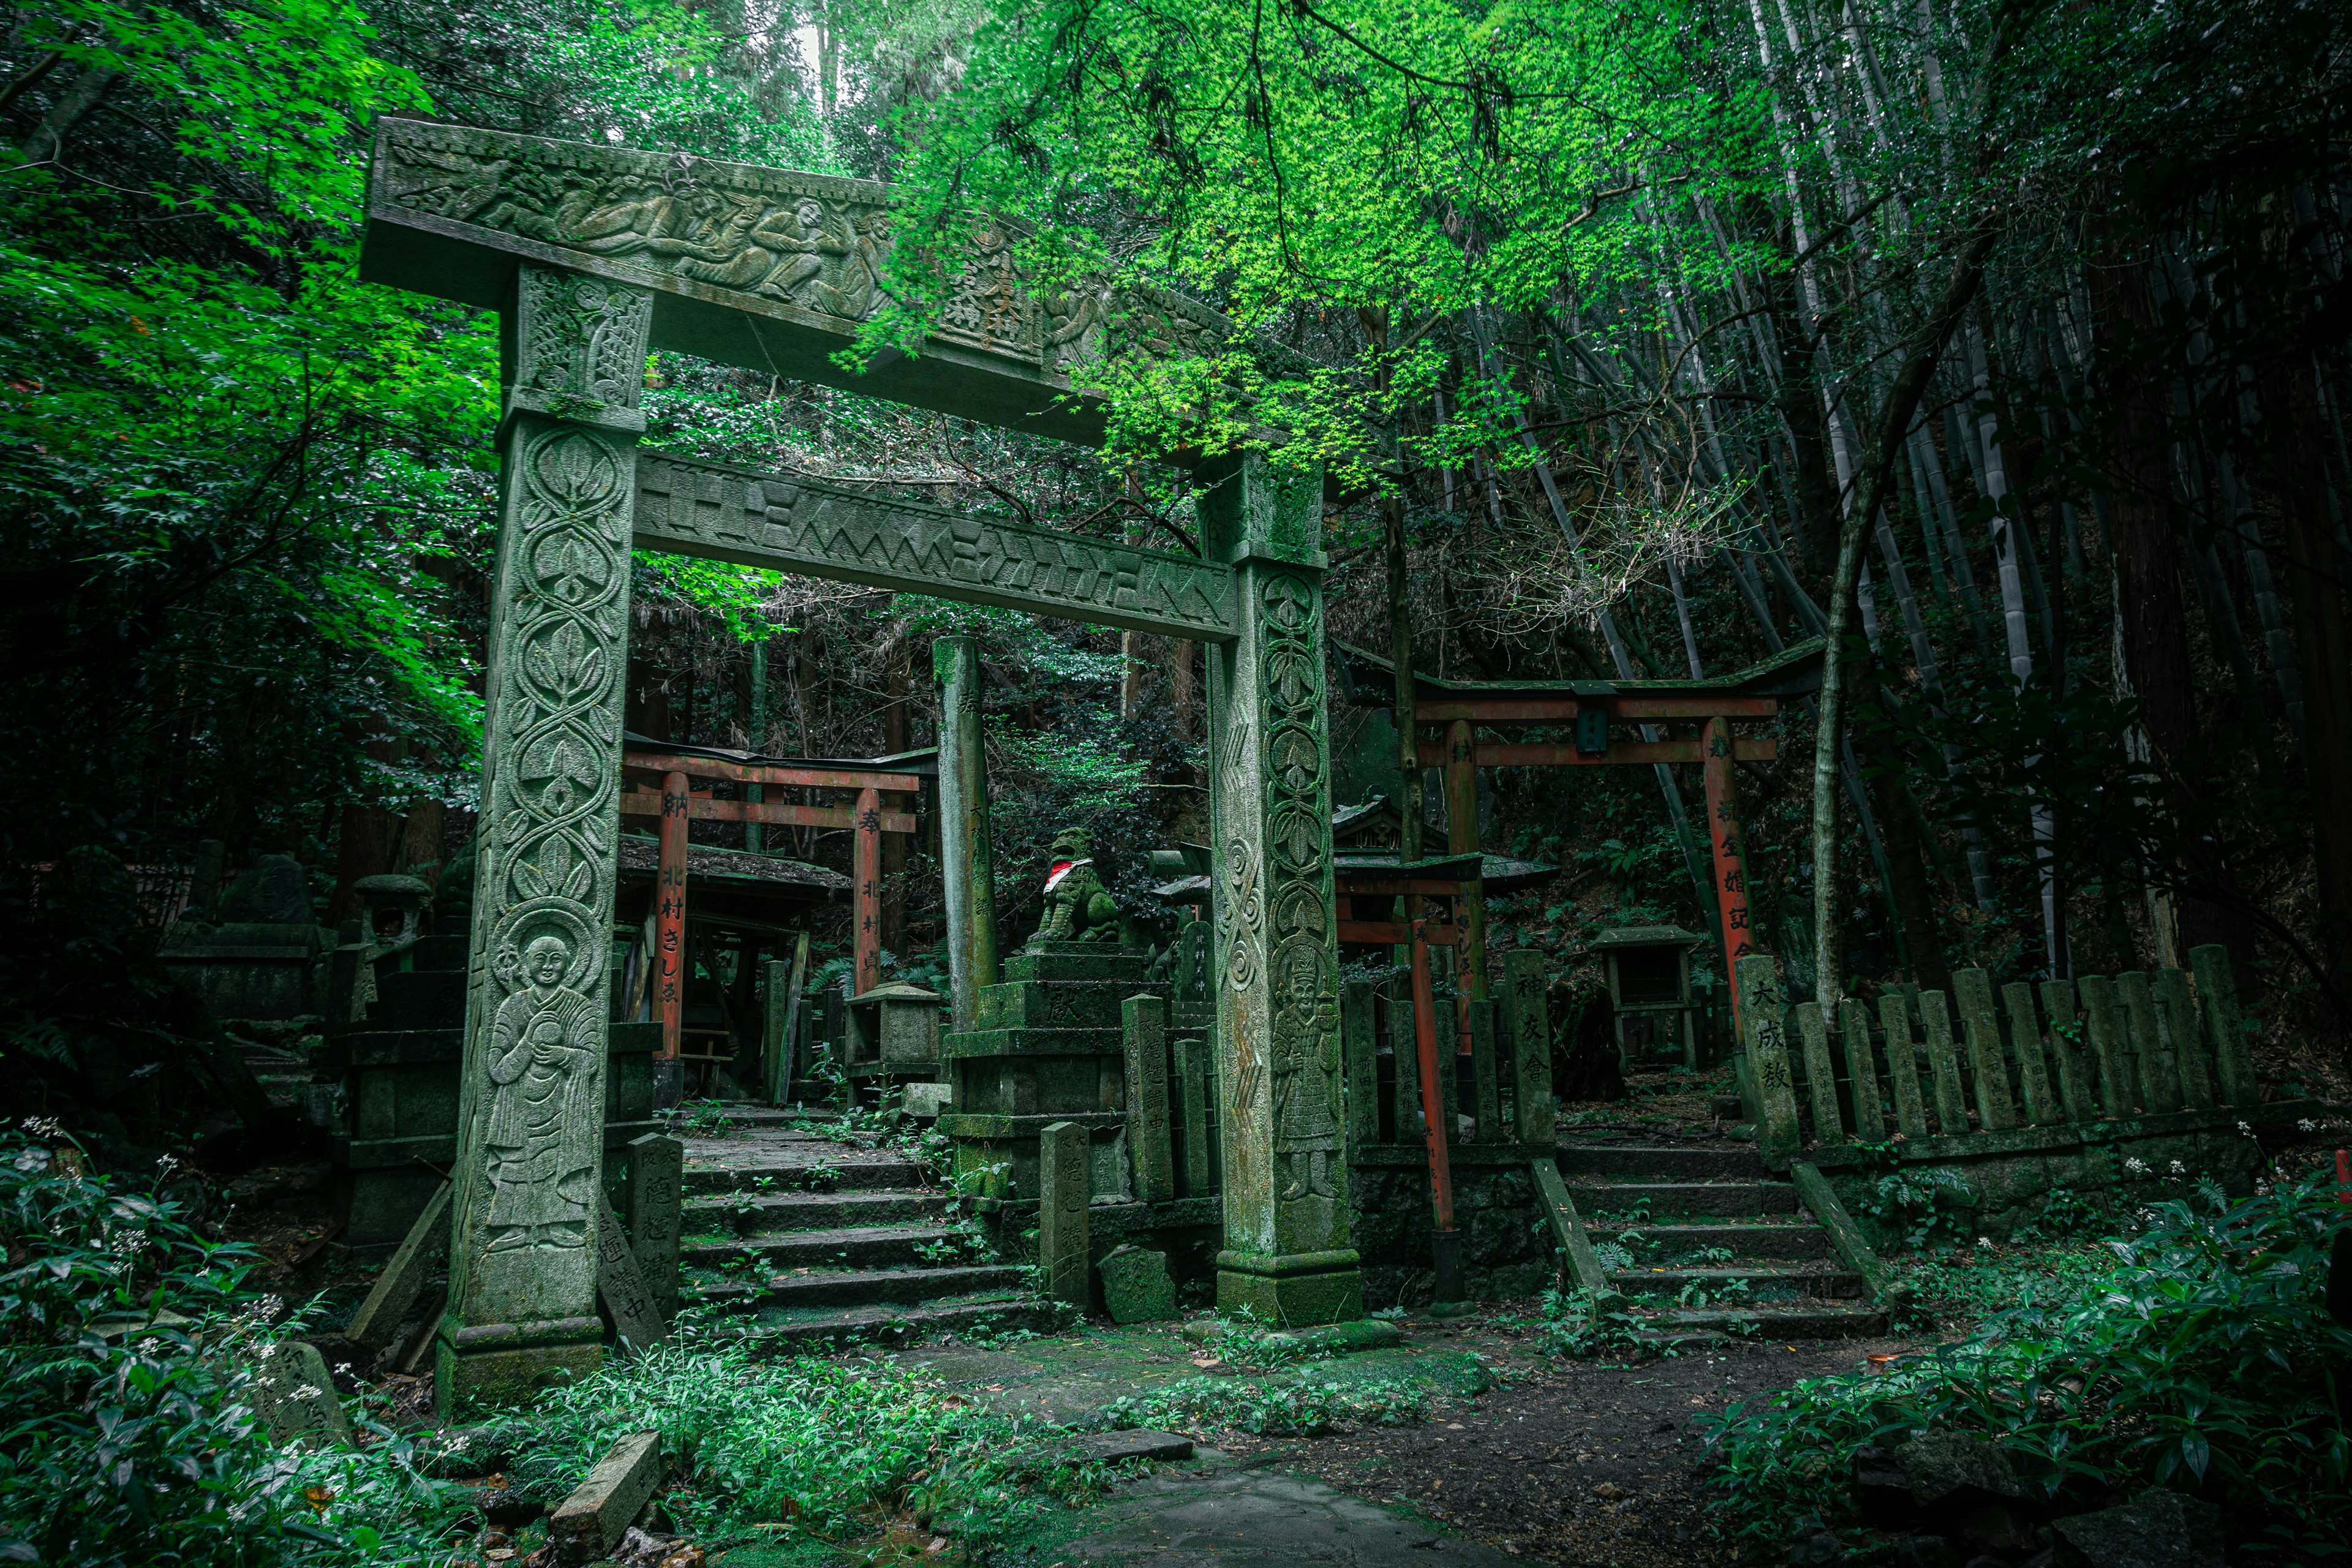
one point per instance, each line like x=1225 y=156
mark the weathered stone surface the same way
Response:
x=1263 y=1519
x=2102 y=1026
x=1763 y=1006
x=1136 y=1288
x=1944 y=1064
x=657 y=1190
x=1861 y=1071
x=1903 y=1065
x=2042 y=1107
x=1149 y=1122
x=273 y=890
x=1062 y=1195
x=592 y=1521
x=1945 y=1469
x=531 y=1151
x=1286 y=1253
x=2217 y=996
x=927 y=1101
x=2157 y=1529
x=622 y=1288
x=967 y=857
x=1988 y=1063
x=1528 y=1019
x=1138 y=1443
x=402 y=1278
x=295 y=1396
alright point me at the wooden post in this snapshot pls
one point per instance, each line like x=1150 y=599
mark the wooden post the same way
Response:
x=967 y=866
x=1901 y=1064
x=2032 y=1074
x=783 y=1020
x=1144 y=1021
x=1944 y=1064
x=669 y=933
x=1462 y=839
x=2225 y=1028
x=2102 y=1026
x=1523 y=998
x=867 y=907
x=1821 y=1075
x=1361 y=1051
x=1972 y=989
x=1730 y=854
x=755 y=735
x=1862 y=1070
x=1435 y=1103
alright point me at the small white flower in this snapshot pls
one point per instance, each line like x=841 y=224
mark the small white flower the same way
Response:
x=150 y=1345
x=2178 y=1169
x=2136 y=1165
x=267 y=1351
x=165 y=1164
x=2308 y=1125
x=306 y=1392
x=2246 y=1128
x=41 y=1126
x=1984 y=1244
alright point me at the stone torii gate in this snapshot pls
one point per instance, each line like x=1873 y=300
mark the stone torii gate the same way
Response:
x=592 y=256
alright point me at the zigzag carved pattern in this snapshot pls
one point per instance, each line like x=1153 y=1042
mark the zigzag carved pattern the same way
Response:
x=690 y=507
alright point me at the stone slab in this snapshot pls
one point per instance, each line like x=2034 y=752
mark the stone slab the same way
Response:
x=656 y=1182
x=1118 y=1448
x=295 y=1396
x=1062 y=1195
x=592 y=1521
x=1136 y=1286
x=636 y=1317
x=1259 y=1519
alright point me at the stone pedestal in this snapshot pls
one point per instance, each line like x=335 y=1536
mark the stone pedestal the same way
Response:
x=1050 y=1048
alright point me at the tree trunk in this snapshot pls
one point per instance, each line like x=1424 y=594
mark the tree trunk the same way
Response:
x=897 y=675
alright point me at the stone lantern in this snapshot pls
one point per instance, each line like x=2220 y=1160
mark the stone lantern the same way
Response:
x=1649 y=991
x=893 y=1035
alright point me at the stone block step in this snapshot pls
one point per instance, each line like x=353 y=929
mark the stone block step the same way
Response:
x=1742 y=1241
x=1718 y=1162
x=716 y=1165
x=790 y=1332
x=1766 y=1281
x=856 y=1247
x=1668 y=1199
x=861 y=1287
x=769 y=1213
x=1771 y=1320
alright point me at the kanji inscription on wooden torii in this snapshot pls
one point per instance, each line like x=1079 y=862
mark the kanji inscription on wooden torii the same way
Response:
x=691 y=507
x=594 y=255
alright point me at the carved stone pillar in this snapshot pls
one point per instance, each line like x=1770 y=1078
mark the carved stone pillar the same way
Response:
x=967 y=865
x=1276 y=974
x=530 y=1172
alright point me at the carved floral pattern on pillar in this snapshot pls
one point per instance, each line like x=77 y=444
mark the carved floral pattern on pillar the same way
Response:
x=1310 y=1184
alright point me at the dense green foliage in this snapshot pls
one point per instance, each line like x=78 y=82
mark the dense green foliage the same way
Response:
x=2205 y=1360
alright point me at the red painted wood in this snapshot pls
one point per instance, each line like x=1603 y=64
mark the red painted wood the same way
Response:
x=1564 y=754
x=1433 y=1090
x=775 y=813
x=741 y=773
x=1560 y=709
x=1731 y=853
x=865 y=909
x=669 y=914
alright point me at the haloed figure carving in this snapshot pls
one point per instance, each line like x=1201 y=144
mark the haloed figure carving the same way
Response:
x=545 y=1115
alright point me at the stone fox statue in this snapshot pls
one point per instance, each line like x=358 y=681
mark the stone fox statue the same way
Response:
x=1077 y=908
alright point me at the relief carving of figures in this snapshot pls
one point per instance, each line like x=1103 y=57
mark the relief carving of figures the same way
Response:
x=546 y=1104
x=1306 y=1068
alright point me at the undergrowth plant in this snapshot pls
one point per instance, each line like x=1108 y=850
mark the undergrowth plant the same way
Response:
x=1298 y=1406
x=1582 y=1327
x=2205 y=1361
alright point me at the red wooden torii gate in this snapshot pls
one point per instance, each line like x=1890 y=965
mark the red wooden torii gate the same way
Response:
x=679 y=802
x=1448 y=714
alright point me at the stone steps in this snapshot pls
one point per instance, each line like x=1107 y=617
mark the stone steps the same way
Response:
x=834 y=1266
x=1765 y=1281
x=1668 y=1201
x=765 y=1213
x=1701 y=1219
x=865 y=1246
x=1792 y=1238
x=864 y=1287
x=787 y=1331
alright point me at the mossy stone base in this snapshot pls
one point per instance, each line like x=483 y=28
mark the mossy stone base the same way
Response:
x=1293 y=1292
x=469 y=1380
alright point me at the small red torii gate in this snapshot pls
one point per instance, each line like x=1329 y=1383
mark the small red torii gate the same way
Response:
x=1447 y=714
x=677 y=801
